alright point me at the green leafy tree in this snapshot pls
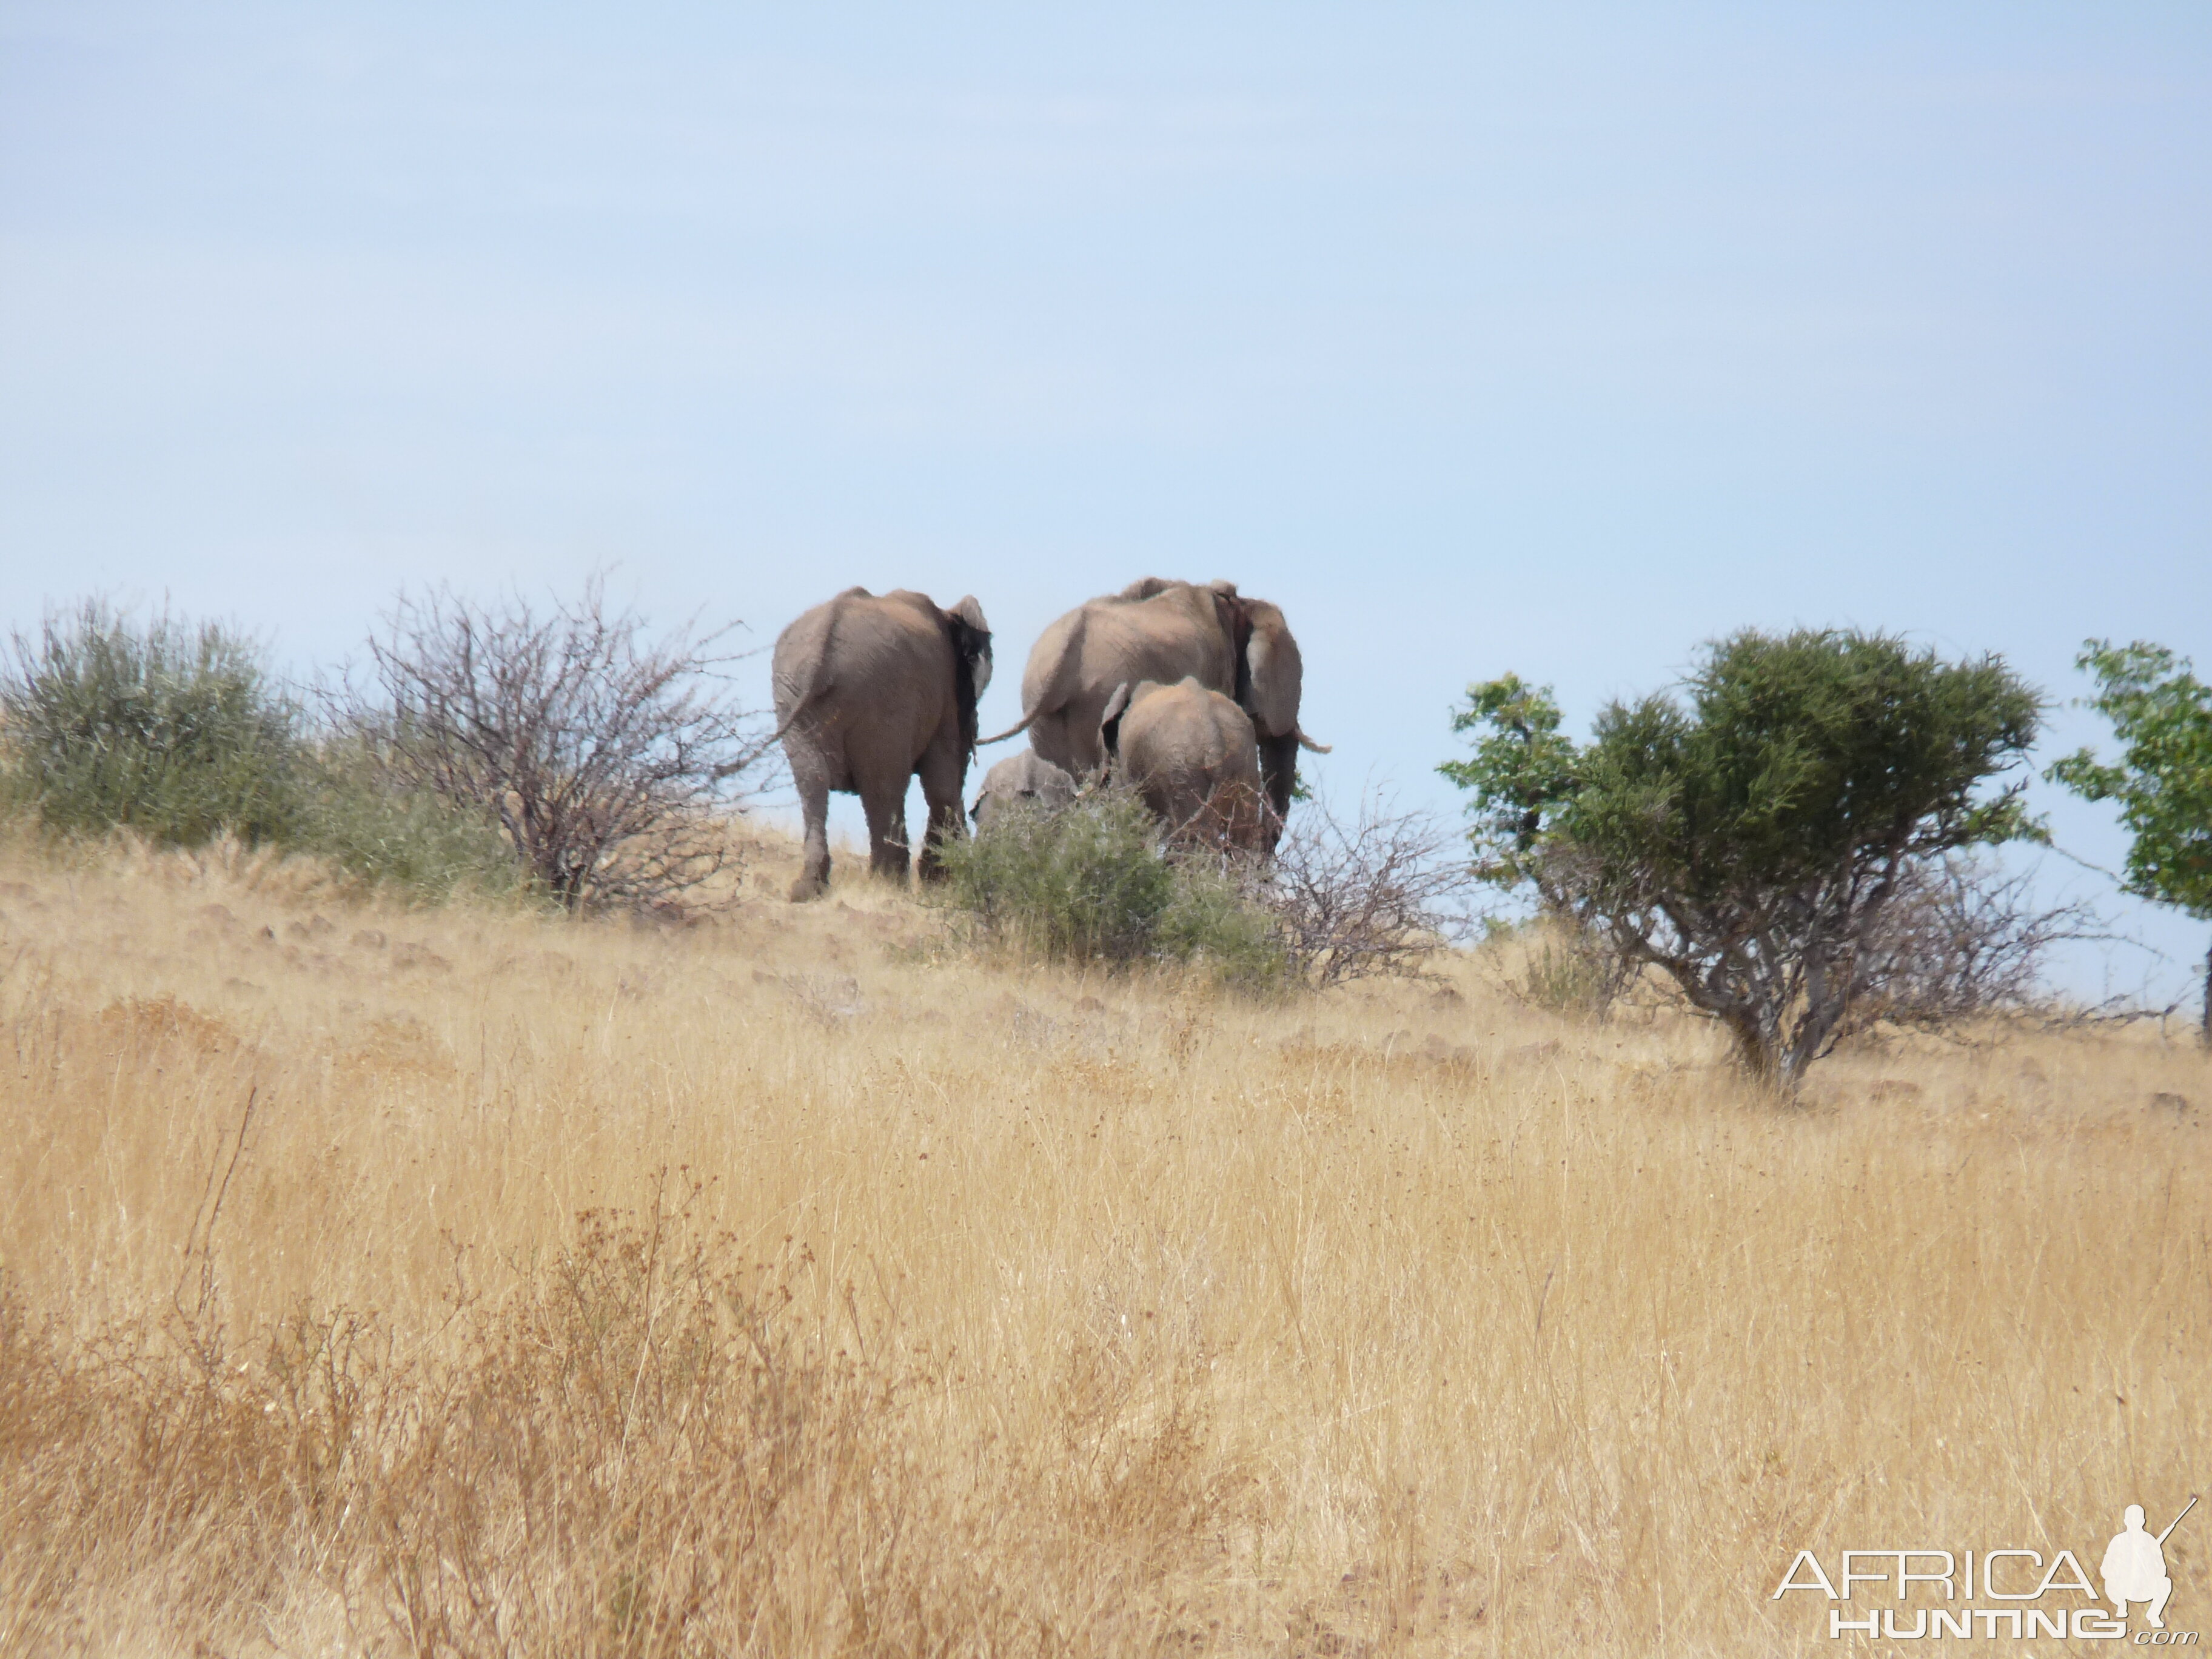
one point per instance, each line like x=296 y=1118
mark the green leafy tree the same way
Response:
x=1522 y=766
x=2163 y=714
x=1746 y=842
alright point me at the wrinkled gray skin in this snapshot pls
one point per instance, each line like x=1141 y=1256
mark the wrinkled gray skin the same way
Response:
x=1166 y=631
x=1192 y=754
x=1024 y=780
x=869 y=692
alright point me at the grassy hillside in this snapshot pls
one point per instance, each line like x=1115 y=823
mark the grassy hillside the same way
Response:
x=774 y=1285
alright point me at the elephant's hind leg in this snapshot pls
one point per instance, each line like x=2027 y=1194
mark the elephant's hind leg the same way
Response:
x=887 y=848
x=814 y=874
x=943 y=772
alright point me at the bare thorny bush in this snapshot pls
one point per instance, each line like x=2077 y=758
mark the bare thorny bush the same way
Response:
x=1960 y=939
x=609 y=758
x=1379 y=895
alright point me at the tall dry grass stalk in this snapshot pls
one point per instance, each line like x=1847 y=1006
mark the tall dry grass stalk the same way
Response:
x=754 y=1288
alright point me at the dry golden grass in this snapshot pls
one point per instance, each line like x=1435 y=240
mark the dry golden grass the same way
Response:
x=769 y=1286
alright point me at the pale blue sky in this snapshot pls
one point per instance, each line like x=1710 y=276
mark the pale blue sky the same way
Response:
x=1552 y=338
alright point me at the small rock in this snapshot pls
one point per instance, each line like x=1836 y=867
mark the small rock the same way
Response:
x=1446 y=997
x=219 y=915
x=2172 y=1103
x=1088 y=1006
x=369 y=938
x=414 y=954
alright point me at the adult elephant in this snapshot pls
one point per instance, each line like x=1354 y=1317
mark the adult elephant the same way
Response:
x=1166 y=631
x=1192 y=756
x=869 y=692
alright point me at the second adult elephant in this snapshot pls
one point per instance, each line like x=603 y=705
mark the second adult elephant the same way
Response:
x=1191 y=754
x=871 y=691
x=1166 y=631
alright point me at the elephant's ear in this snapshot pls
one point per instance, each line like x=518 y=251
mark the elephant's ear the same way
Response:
x=1109 y=723
x=971 y=665
x=971 y=638
x=1276 y=672
x=970 y=611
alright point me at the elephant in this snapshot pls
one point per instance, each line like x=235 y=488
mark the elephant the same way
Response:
x=869 y=692
x=1024 y=780
x=1166 y=631
x=1193 y=755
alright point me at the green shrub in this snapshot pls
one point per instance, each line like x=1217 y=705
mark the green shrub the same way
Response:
x=176 y=732
x=1212 y=921
x=405 y=841
x=171 y=731
x=1092 y=883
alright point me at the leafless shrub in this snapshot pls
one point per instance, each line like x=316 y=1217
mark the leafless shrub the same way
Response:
x=1378 y=896
x=606 y=755
x=1959 y=939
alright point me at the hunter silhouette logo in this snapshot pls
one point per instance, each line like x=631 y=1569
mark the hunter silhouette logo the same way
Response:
x=2028 y=1592
x=2135 y=1566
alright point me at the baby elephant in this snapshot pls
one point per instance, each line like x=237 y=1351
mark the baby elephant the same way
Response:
x=1194 y=756
x=1024 y=780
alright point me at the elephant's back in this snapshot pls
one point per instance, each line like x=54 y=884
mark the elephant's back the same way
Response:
x=1189 y=728
x=1154 y=630
x=1168 y=638
x=856 y=641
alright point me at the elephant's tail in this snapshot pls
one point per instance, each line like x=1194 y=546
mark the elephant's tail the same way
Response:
x=1310 y=746
x=818 y=677
x=792 y=720
x=817 y=683
x=1014 y=731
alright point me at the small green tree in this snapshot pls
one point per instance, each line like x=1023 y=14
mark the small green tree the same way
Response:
x=1521 y=768
x=1748 y=844
x=2163 y=714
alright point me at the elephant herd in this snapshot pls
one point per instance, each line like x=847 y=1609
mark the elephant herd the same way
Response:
x=1190 y=691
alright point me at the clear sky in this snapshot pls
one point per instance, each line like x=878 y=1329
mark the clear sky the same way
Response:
x=1556 y=338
